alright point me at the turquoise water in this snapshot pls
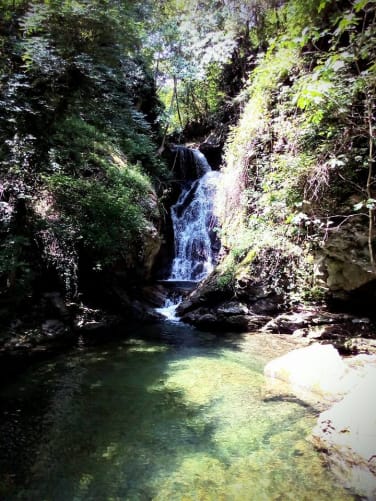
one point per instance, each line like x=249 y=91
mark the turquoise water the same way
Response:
x=167 y=414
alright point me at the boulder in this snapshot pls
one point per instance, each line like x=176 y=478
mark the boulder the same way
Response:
x=361 y=345
x=206 y=319
x=345 y=337
x=229 y=316
x=217 y=305
x=343 y=390
x=95 y=321
x=208 y=294
x=316 y=369
x=266 y=306
x=287 y=323
x=320 y=325
x=54 y=328
x=232 y=308
x=347 y=433
x=154 y=295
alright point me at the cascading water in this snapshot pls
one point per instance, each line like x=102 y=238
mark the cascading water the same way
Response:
x=194 y=225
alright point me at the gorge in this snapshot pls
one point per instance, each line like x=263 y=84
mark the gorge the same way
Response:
x=212 y=162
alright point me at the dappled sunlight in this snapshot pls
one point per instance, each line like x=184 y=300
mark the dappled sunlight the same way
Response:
x=183 y=419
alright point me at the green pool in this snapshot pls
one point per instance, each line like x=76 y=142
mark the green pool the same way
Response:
x=166 y=414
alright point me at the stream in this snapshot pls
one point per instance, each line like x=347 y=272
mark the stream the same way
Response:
x=167 y=413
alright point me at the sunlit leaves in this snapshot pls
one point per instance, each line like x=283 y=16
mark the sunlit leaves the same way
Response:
x=313 y=93
x=370 y=203
x=78 y=106
x=361 y=4
x=349 y=21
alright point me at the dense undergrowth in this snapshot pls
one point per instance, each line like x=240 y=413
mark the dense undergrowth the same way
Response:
x=78 y=140
x=299 y=164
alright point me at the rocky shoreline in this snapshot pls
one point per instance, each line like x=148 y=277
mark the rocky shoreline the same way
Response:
x=341 y=389
x=255 y=307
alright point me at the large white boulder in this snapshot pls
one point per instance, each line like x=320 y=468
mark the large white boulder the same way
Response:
x=316 y=369
x=347 y=431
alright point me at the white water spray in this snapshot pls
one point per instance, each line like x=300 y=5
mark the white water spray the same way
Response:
x=194 y=226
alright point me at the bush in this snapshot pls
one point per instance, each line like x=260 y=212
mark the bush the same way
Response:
x=107 y=216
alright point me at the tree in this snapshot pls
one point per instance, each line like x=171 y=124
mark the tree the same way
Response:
x=78 y=124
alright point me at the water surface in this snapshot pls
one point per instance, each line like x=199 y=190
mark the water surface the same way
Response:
x=167 y=414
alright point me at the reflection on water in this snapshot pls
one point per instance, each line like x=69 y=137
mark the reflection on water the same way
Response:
x=171 y=415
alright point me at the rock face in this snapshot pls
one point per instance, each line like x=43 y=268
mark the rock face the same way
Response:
x=345 y=259
x=346 y=431
x=151 y=237
x=343 y=266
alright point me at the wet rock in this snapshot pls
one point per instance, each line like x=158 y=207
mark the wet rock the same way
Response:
x=208 y=294
x=54 y=328
x=232 y=308
x=213 y=152
x=247 y=309
x=144 y=312
x=90 y=320
x=346 y=432
x=204 y=320
x=230 y=316
x=155 y=295
x=318 y=324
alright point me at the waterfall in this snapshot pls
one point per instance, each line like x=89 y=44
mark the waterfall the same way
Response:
x=194 y=225
x=196 y=243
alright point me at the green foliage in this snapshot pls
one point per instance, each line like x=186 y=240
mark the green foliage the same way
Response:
x=192 y=45
x=301 y=148
x=79 y=132
x=106 y=215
